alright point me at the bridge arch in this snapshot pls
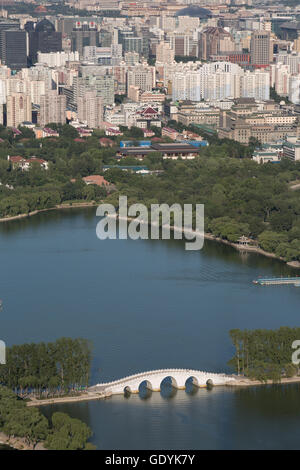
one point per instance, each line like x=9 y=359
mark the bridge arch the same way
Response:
x=209 y=383
x=192 y=380
x=169 y=380
x=145 y=384
x=127 y=390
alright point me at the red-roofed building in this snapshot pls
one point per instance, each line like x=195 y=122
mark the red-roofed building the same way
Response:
x=147 y=118
x=43 y=163
x=97 y=180
x=105 y=142
x=40 y=133
x=24 y=164
x=149 y=112
x=112 y=131
x=48 y=132
x=84 y=132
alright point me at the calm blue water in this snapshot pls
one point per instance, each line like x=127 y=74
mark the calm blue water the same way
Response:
x=148 y=305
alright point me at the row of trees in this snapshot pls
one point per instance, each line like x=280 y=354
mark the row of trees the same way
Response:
x=26 y=200
x=264 y=354
x=61 y=433
x=47 y=369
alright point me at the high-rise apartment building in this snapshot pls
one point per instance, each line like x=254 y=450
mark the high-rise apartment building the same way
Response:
x=164 y=53
x=103 y=84
x=53 y=108
x=294 y=89
x=90 y=109
x=18 y=109
x=219 y=80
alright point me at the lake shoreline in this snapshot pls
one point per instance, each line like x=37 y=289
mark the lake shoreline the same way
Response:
x=207 y=236
x=75 y=205
x=241 y=248
x=87 y=396
x=246 y=382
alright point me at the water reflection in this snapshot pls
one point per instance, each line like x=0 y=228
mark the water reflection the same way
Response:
x=197 y=418
x=266 y=400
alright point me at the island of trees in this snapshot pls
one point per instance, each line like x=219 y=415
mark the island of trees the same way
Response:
x=264 y=354
x=44 y=370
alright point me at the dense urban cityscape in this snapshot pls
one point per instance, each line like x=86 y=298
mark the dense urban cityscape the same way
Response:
x=168 y=103
x=144 y=63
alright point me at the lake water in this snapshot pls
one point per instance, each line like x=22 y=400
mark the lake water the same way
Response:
x=150 y=305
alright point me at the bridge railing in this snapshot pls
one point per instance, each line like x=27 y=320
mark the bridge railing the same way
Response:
x=158 y=372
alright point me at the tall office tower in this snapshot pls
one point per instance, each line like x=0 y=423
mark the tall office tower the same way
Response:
x=164 y=53
x=18 y=109
x=90 y=109
x=53 y=108
x=183 y=44
x=43 y=38
x=261 y=49
x=48 y=40
x=13 y=48
x=214 y=40
x=7 y=24
x=84 y=34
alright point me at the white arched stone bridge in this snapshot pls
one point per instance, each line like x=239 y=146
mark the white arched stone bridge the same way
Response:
x=154 y=378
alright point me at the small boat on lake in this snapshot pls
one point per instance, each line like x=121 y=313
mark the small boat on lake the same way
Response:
x=278 y=281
